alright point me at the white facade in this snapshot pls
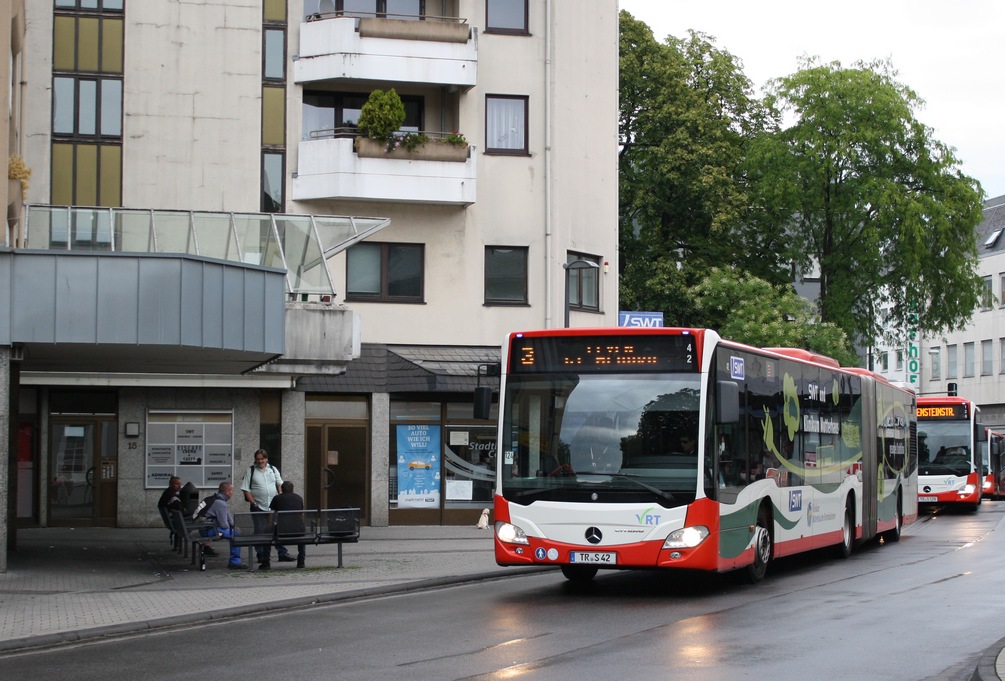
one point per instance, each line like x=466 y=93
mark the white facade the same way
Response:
x=198 y=117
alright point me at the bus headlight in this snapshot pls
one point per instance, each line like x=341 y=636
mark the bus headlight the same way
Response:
x=987 y=485
x=686 y=537
x=968 y=490
x=511 y=534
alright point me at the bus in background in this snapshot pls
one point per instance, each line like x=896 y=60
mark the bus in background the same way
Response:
x=673 y=448
x=996 y=450
x=953 y=459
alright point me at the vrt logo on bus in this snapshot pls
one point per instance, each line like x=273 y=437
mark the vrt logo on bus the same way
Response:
x=648 y=518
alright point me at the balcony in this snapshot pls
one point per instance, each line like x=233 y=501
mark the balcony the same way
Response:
x=332 y=169
x=435 y=51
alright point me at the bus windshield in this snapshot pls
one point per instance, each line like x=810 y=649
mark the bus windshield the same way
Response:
x=600 y=438
x=944 y=448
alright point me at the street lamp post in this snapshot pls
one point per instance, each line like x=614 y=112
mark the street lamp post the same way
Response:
x=575 y=265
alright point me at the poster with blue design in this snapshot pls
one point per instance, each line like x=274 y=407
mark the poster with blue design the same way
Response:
x=418 y=466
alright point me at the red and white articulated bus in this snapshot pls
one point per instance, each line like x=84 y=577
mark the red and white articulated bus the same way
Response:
x=673 y=448
x=953 y=461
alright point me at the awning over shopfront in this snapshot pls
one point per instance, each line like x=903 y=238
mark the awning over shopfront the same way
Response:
x=409 y=368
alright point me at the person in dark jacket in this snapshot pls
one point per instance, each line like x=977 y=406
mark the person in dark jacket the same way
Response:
x=288 y=522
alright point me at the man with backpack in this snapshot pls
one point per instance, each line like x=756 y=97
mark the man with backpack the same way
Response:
x=216 y=510
x=262 y=481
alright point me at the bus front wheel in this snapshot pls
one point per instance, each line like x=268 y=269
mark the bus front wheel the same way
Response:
x=579 y=574
x=844 y=549
x=762 y=547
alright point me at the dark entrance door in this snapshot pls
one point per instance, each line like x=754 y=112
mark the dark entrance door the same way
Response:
x=336 y=467
x=83 y=471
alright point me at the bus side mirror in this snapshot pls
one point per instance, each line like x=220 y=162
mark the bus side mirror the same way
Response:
x=483 y=402
x=727 y=408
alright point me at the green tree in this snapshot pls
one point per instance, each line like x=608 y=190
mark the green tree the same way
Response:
x=687 y=117
x=753 y=311
x=870 y=198
x=381 y=115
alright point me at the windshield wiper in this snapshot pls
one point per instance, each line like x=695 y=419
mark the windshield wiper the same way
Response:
x=632 y=478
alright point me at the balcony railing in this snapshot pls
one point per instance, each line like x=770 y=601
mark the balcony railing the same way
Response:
x=299 y=244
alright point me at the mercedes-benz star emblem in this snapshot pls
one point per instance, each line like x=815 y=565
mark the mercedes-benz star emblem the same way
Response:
x=594 y=535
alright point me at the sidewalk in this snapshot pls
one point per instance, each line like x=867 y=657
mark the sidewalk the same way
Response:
x=65 y=584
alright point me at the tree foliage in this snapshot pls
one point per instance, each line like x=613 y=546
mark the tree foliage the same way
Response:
x=753 y=311
x=687 y=118
x=871 y=199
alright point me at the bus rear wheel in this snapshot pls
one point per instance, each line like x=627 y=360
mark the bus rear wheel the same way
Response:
x=898 y=527
x=763 y=548
x=579 y=574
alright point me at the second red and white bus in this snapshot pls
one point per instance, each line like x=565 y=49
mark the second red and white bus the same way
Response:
x=669 y=448
x=996 y=451
x=953 y=460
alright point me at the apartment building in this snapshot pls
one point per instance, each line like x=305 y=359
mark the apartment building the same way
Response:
x=224 y=265
x=973 y=358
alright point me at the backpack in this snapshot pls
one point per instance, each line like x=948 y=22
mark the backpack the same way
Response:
x=203 y=508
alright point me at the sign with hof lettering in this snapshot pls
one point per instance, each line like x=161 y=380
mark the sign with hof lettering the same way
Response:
x=198 y=447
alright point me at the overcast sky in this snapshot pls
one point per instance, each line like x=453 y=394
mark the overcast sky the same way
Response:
x=951 y=53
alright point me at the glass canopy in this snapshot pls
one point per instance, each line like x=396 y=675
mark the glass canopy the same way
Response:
x=299 y=244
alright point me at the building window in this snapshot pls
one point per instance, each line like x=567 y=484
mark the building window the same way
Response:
x=884 y=361
x=506 y=16
x=900 y=360
x=335 y=114
x=987 y=358
x=584 y=284
x=506 y=124
x=274 y=54
x=104 y=5
x=951 y=361
x=1001 y=355
x=383 y=272
x=505 y=275
x=988 y=297
x=394 y=9
x=273 y=170
x=1001 y=288
x=935 y=357
x=969 y=359
x=87 y=65
x=272 y=182
x=86 y=107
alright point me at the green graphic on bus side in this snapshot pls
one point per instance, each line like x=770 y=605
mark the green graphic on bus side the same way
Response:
x=735 y=528
x=847 y=453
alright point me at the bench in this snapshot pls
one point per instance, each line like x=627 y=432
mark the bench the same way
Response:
x=312 y=526
x=190 y=532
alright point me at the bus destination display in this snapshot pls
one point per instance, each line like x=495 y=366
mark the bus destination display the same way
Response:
x=942 y=411
x=605 y=354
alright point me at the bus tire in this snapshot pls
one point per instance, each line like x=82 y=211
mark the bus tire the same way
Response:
x=894 y=534
x=763 y=547
x=844 y=549
x=579 y=574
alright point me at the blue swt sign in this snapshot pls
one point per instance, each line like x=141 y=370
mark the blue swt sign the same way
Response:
x=643 y=319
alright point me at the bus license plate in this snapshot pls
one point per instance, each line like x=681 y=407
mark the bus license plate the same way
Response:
x=595 y=557
x=927 y=500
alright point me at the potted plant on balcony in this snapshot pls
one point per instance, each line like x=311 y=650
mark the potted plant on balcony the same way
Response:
x=380 y=120
x=380 y=117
